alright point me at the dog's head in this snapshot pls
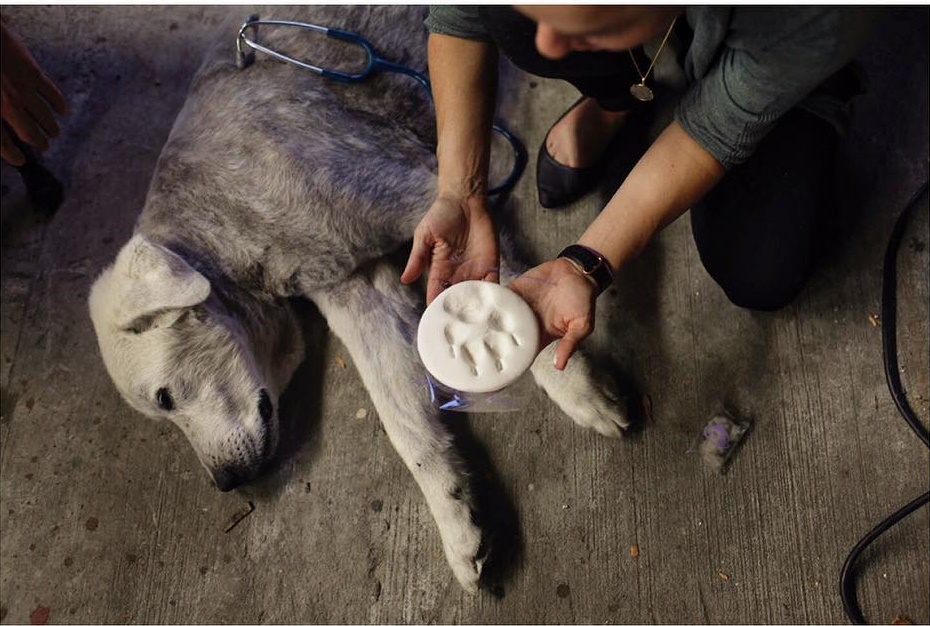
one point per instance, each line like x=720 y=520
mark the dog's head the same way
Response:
x=211 y=360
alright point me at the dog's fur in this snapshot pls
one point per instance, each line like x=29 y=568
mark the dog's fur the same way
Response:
x=275 y=183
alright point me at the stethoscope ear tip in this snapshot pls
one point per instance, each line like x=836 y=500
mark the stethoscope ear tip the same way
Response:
x=244 y=59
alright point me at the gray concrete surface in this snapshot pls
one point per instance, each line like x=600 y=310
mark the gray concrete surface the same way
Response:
x=106 y=517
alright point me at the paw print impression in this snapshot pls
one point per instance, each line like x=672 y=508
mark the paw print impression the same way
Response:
x=479 y=333
x=478 y=337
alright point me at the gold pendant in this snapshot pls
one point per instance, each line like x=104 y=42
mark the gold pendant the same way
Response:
x=641 y=92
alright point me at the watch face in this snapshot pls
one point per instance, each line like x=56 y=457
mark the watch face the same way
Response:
x=590 y=260
x=591 y=264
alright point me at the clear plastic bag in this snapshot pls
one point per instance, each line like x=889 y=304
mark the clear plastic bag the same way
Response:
x=513 y=397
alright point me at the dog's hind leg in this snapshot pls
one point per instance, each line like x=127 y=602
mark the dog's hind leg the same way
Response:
x=580 y=390
x=376 y=318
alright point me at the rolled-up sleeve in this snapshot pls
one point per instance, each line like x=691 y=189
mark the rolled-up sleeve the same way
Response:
x=759 y=75
x=457 y=21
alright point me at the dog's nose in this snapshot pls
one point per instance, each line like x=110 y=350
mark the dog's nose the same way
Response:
x=226 y=480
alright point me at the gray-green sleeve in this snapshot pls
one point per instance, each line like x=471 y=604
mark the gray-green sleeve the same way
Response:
x=771 y=60
x=457 y=21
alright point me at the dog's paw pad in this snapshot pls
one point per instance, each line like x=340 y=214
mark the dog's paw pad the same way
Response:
x=467 y=570
x=588 y=402
x=465 y=549
x=608 y=416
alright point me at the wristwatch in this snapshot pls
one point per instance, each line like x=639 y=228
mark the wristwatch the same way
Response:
x=591 y=263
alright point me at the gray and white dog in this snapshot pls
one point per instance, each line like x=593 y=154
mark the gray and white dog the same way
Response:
x=275 y=184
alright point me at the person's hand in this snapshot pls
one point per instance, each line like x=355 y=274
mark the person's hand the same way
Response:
x=455 y=241
x=563 y=300
x=28 y=100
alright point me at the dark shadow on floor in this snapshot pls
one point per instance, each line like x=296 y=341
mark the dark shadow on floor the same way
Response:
x=496 y=513
x=300 y=407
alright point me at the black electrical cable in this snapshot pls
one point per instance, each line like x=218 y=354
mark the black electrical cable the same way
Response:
x=889 y=319
x=893 y=378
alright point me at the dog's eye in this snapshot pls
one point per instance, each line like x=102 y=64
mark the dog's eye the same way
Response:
x=265 y=408
x=164 y=399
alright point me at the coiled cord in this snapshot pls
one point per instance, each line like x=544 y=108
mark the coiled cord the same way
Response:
x=893 y=378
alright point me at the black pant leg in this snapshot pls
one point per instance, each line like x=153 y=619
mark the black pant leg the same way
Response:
x=756 y=231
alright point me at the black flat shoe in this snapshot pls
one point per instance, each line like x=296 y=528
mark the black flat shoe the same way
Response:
x=557 y=184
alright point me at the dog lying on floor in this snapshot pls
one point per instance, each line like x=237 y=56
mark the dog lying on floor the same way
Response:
x=275 y=183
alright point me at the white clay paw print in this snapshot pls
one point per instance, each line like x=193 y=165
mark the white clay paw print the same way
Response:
x=478 y=336
x=478 y=332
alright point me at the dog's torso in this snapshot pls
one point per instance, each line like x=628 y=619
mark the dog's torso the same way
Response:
x=288 y=180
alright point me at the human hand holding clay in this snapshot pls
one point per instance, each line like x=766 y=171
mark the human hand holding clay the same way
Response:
x=456 y=240
x=29 y=100
x=559 y=291
x=563 y=300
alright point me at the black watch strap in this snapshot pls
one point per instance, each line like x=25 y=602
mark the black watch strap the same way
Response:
x=591 y=263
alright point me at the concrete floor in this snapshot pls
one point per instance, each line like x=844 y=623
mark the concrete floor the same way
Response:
x=106 y=517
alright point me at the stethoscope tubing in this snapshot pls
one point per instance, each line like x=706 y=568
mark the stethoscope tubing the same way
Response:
x=374 y=63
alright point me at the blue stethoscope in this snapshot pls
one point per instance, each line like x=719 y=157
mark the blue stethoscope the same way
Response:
x=374 y=63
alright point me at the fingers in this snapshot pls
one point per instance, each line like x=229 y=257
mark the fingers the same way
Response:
x=48 y=90
x=25 y=128
x=425 y=254
x=8 y=150
x=435 y=286
x=492 y=276
x=30 y=99
x=567 y=345
x=40 y=112
x=416 y=264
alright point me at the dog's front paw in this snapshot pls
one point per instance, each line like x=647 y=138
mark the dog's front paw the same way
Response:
x=462 y=544
x=589 y=402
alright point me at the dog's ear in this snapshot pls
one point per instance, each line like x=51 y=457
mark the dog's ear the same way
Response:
x=154 y=285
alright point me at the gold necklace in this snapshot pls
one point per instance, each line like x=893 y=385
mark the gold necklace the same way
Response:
x=639 y=90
